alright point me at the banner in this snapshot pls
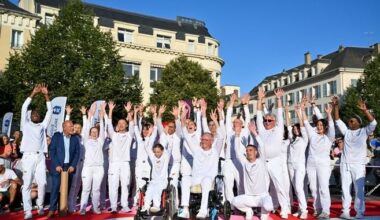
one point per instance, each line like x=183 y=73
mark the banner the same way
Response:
x=7 y=123
x=57 y=118
x=96 y=118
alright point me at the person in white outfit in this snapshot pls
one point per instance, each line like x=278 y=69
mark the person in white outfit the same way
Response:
x=205 y=166
x=353 y=158
x=34 y=146
x=296 y=161
x=256 y=179
x=119 y=158
x=144 y=139
x=318 y=161
x=272 y=136
x=169 y=139
x=93 y=171
x=237 y=134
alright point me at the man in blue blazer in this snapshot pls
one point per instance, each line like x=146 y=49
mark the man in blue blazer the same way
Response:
x=64 y=154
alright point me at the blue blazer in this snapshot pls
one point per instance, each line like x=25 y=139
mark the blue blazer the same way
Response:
x=57 y=151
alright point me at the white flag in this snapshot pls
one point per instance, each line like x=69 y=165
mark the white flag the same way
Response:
x=96 y=118
x=59 y=104
x=7 y=123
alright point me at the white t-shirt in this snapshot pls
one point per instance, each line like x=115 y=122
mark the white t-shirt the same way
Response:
x=7 y=175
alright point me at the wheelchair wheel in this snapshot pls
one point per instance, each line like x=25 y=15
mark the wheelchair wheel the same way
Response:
x=227 y=210
x=171 y=210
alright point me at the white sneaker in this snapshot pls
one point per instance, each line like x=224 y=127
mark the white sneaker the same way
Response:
x=264 y=216
x=41 y=211
x=201 y=215
x=183 y=213
x=154 y=209
x=125 y=210
x=28 y=215
x=303 y=215
x=249 y=215
x=96 y=211
x=324 y=215
x=345 y=215
x=284 y=215
x=359 y=216
x=82 y=212
x=296 y=214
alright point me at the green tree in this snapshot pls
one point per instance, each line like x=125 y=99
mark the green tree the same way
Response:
x=183 y=79
x=367 y=89
x=75 y=59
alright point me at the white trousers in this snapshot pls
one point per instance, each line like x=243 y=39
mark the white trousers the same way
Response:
x=76 y=183
x=233 y=171
x=103 y=185
x=287 y=184
x=91 y=178
x=119 y=172
x=319 y=177
x=206 y=183
x=142 y=170
x=246 y=202
x=153 y=193
x=297 y=177
x=34 y=167
x=353 y=173
x=174 y=173
x=186 y=164
x=277 y=190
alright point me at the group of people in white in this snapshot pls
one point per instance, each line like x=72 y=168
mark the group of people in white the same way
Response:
x=266 y=158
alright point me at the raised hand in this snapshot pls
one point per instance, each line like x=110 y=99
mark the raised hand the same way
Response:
x=36 y=90
x=362 y=106
x=213 y=115
x=83 y=110
x=111 y=105
x=245 y=99
x=335 y=100
x=44 y=89
x=175 y=111
x=128 y=106
x=161 y=110
x=68 y=109
x=312 y=100
x=233 y=98
x=261 y=94
x=279 y=92
x=304 y=100
x=328 y=109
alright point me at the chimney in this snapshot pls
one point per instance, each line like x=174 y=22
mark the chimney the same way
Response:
x=319 y=56
x=376 y=48
x=307 y=58
x=28 y=5
x=341 y=48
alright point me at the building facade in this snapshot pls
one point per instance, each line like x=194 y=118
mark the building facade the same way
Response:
x=146 y=44
x=16 y=28
x=326 y=76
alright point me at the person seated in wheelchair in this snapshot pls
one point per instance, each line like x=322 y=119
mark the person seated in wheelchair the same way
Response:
x=205 y=167
x=256 y=180
x=159 y=178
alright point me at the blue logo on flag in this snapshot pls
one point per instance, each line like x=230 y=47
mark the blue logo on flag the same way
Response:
x=6 y=123
x=57 y=110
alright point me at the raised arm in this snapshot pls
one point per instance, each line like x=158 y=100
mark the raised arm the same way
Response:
x=160 y=128
x=370 y=128
x=68 y=110
x=229 y=113
x=259 y=116
x=331 y=130
x=198 y=132
x=287 y=116
x=175 y=112
x=205 y=127
x=108 y=120
x=83 y=110
x=316 y=110
x=244 y=101
x=280 y=116
x=101 y=122
x=253 y=129
x=49 y=112
x=24 y=108
x=221 y=132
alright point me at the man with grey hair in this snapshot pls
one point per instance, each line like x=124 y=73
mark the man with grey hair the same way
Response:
x=271 y=131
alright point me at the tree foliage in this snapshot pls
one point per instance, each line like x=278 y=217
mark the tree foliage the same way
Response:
x=183 y=79
x=367 y=89
x=75 y=59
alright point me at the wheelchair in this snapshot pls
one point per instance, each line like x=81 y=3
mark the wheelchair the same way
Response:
x=168 y=206
x=216 y=205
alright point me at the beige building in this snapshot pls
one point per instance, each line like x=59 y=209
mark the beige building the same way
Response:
x=146 y=44
x=323 y=77
x=229 y=89
x=16 y=28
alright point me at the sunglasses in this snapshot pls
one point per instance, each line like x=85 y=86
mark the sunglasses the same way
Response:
x=268 y=120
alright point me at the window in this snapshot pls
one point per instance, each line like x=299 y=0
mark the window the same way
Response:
x=16 y=39
x=265 y=88
x=317 y=91
x=191 y=46
x=354 y=82
x=332 y=85
x=124 y=35
x=296 y=78
x=291 y=98
x=285 y=82
x=163 y=42
x=210 y=49
x=325 y=90
x=275 y=85
x=131 y=69
x=309 y=73
x=155 y=74
x=49 y=19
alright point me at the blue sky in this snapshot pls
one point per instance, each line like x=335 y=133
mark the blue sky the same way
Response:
x=261 y=38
